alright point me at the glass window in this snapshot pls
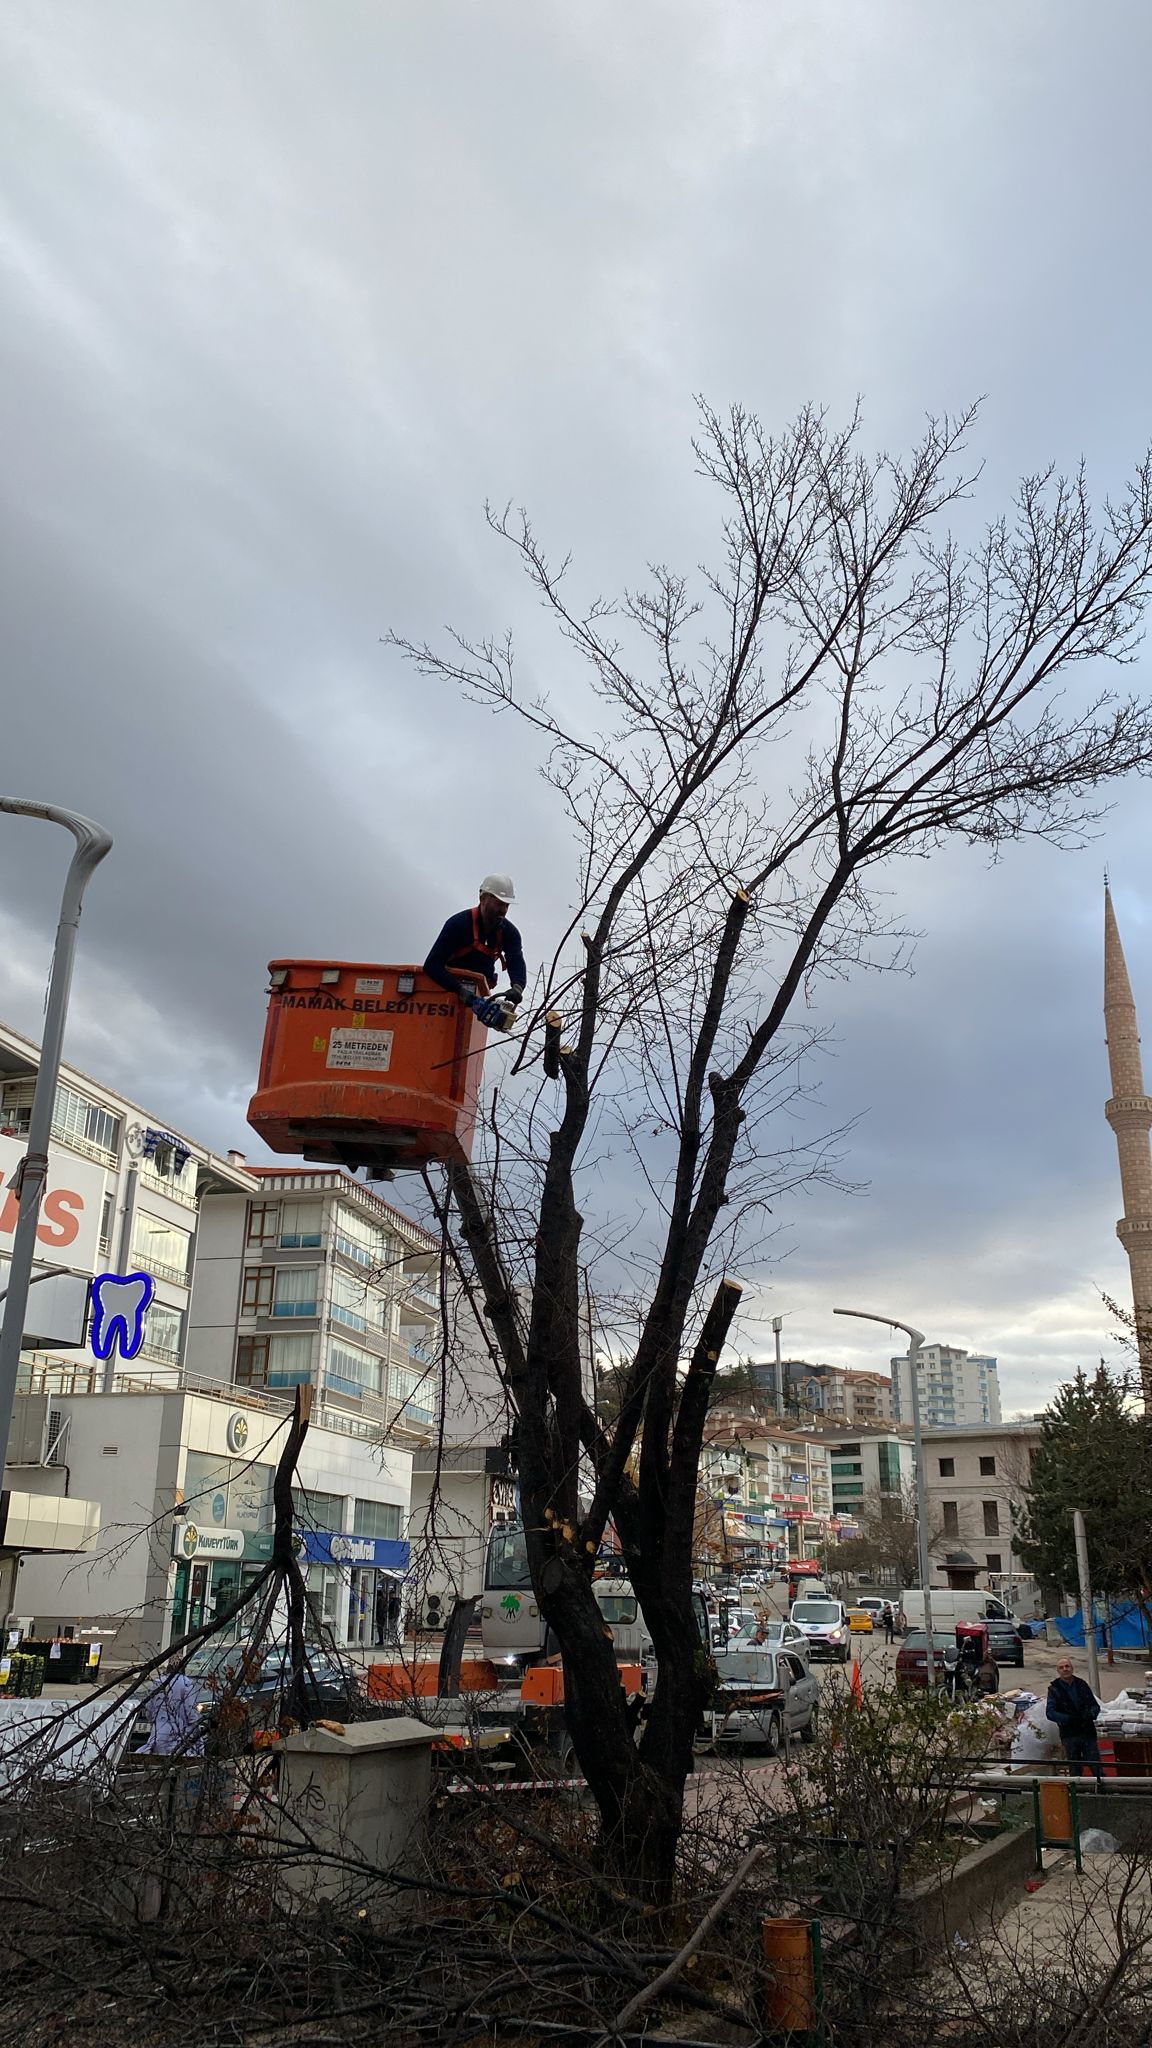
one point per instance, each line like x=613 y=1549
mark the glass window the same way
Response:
x=617 y=1607
x=951 y=1518
x=849 y=1471
x=507 y=1565
x=847 y=1486
x=161 y=1246
x=107 y=1217
x=358 y=1237
x=351 y=1302
x=947 y=1468
x=75 y=1117
x=320 y=1510
x=263 y=1222
x=995 y=1561
x=415 y=1391
x=351 y=1370
x=295 y=1291
x=256 y=1297
x=163 y=1329
x=987 y=1468
x=376 y=1518
x=228 y=1491
x=991 y=1517
x=300 y=1225
x=279 y=1361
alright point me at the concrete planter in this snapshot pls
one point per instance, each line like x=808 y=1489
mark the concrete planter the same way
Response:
x=960 y=1900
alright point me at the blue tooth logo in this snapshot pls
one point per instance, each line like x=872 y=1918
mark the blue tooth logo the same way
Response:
x=119 y=1303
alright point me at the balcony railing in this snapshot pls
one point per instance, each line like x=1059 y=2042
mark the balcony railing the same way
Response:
x=159 y=1270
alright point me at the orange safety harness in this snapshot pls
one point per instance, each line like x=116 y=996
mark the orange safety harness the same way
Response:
x=479 y=945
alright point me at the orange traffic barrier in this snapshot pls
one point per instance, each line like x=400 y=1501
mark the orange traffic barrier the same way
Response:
x=857 y=1682
x=1107 y=1756
x=422 y=1680
x=365 y=1064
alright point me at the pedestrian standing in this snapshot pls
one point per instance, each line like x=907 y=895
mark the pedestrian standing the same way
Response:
x=889 y=1623
x=380 y=1612
x=1073 y=1706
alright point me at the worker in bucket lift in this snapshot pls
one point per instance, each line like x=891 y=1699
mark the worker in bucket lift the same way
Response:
x=477 y=942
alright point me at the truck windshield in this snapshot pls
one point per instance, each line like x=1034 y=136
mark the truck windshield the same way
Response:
x=508 y=1560
x=617 y=1607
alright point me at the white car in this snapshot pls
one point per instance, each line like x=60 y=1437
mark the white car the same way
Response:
x=825 y=1624
x=773 y=1635
x=761 y=1695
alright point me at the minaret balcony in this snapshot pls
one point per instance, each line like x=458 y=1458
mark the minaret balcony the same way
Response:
x=1129 y=1112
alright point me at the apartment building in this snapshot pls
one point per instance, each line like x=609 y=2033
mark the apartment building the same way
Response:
x=824 y=1392
x=126 y=1192
x=774 y=1486
x=977 y=1477
x=957 y=1388
x=312 y=1277
x=875 y=1466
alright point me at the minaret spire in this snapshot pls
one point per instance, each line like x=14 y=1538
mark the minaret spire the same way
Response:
x=1129 y=1111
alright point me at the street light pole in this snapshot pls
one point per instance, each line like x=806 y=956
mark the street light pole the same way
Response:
x=777 y=1326
x=1087 y=1603
x=915 y=1340
x=92 y=843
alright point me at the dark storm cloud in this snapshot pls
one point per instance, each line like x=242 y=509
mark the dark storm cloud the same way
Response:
x=286 y=291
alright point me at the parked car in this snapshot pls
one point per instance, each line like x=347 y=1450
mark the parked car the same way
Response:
x=739 y=1619
x=825 y=1625
x=773 y=1635
x=330 y=1682
x=1006 y=1642
x=912 y=1656
x=761 y=1694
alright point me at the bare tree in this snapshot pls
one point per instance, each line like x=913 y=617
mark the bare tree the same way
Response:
x=849 y=685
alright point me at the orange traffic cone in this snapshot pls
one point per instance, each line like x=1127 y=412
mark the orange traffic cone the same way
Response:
x=857 y=1682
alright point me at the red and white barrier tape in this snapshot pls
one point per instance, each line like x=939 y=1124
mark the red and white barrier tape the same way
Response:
x=519 y=1785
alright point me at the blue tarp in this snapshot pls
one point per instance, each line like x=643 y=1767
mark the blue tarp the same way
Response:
x=1129 y=1626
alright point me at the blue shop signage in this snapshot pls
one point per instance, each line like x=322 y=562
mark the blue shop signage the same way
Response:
x=384 y=1553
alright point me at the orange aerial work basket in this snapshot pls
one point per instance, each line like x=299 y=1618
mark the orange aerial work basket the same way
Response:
x=367 y=1066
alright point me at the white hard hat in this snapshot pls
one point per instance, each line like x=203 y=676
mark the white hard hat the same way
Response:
x=499 y=886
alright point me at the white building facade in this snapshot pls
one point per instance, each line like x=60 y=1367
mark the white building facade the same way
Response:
x=312 y=1278
x=977 y=1480
x=184 y=1479
x=957 y=1388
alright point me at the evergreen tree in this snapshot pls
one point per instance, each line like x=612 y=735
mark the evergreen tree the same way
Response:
x=1094 y=1454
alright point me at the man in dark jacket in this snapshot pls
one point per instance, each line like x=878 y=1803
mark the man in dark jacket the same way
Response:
x=477 y=942
x=1074 y=1706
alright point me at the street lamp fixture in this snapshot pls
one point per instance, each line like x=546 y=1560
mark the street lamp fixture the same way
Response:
x=915 y=1340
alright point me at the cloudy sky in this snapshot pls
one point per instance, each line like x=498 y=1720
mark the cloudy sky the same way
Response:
x=289 y=288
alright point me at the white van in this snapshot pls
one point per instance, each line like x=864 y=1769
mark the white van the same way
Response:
x=948 y=1607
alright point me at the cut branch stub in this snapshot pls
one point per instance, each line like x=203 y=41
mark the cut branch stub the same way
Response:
x=553 y=1026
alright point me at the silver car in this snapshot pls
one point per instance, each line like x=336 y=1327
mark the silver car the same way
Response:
x=761 y=1696
x=773 y=1635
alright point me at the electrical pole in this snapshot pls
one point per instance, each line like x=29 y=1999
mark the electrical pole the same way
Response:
x=777 y=1326
x=1087 y=1608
